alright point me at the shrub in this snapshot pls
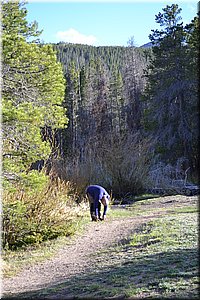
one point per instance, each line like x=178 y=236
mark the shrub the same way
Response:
x=127 y=163
x=40 y=215
x=121 y=165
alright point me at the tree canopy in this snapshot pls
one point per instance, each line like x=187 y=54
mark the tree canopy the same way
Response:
x=32 y=92
x=171 y=105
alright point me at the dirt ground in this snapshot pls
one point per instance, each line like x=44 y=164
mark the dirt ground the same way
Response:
x=75 y=258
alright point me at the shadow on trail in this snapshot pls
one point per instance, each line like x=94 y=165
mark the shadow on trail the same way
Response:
x=147 y=276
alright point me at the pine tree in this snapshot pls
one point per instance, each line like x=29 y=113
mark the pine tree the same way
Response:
x=169 y=91
x=71 y=102
x=117 y=103
x=33 y=90
x=192 y=38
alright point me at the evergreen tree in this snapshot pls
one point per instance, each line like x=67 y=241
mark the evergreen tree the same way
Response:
x=168 y=94
x=33 y=91
x=84 y=115
x=71 y=102
x=192 y=38
x=117 y=103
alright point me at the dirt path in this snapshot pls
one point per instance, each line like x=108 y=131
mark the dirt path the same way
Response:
x=76 y=258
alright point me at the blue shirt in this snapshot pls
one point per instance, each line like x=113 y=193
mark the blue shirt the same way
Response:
x=97 y=192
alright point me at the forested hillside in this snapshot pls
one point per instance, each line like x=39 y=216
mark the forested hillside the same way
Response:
x=122 y=117
x=132 y=110
x=103 y=94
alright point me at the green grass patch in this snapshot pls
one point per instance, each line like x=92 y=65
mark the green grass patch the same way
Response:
x=154 y=205
x=160 y=260
x=14 y=261
x=187 y=209
x=169 y=231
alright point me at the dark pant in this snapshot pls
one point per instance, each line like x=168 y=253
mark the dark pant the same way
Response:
x=93 y=213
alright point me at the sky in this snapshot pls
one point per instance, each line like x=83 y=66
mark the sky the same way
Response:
x=101 y=23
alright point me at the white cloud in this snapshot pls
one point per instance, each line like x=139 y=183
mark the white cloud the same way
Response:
x=73 y=36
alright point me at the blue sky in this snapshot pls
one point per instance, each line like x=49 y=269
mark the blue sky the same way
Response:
x=101 y=23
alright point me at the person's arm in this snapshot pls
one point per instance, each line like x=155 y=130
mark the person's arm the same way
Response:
x=105 y=210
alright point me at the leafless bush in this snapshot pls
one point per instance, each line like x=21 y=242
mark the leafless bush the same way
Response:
x=119 y=164
x=127 y=163
x=162 y=175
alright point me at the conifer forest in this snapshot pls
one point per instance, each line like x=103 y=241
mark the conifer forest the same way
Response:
x=73 y=115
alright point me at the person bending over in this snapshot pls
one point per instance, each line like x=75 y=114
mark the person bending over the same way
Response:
x=97 y=195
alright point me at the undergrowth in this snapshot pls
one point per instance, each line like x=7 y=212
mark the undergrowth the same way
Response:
x=40 y=215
